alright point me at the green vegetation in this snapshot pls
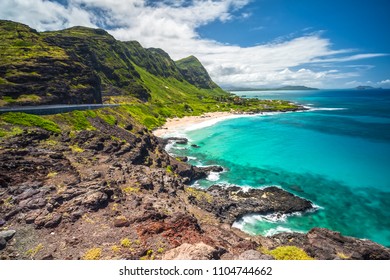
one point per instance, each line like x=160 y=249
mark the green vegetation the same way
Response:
x=287 y=253
x=194 y=72
x=169 y=169
x=18 y=43
x=150 y=85
x=79 y=119
x=115 y=248
x=199 y=194
x=33 y=251
x=9 y=132
x=76 y=149
x=126 y=243
x=20 y=100
x=160 y=250
x=93 y=254
x=51 y=174
x=30 y=120
x=148 y=256
x=129 y=190
x=343 y=256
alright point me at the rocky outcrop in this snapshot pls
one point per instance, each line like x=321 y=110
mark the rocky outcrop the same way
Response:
x=325 y=244
x=231 y=203
x=116 y=190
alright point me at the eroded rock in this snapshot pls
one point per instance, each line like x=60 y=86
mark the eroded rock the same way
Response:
x=231 y=203
x=199 y=251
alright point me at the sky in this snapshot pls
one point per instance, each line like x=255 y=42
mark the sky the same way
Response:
x=242 y=43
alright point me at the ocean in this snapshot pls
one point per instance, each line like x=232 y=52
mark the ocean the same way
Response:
x=337 y=155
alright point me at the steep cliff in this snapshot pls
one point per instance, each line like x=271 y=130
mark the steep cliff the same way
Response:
x=84 y=65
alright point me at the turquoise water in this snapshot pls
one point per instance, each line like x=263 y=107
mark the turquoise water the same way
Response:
x=336 y=155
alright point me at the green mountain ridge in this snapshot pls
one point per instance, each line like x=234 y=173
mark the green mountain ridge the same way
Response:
x=83 y=65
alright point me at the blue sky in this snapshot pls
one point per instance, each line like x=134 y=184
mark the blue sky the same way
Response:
x=264 y=43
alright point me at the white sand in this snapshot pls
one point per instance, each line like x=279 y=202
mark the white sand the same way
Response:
x=175 y=125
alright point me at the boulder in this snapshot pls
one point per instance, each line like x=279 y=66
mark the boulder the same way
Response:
x=7 y=234
x=53 y=221
x=253 y=255
x=95 y=200
x=198 y=251
x=121 y=222
x=3 y=243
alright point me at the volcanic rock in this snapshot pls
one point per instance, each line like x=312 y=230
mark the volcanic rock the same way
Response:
x=231 y=203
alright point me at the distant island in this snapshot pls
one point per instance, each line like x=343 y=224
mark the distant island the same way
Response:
x=277 y=88
x=365 y=87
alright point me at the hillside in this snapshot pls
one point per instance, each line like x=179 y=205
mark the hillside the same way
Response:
x=34 y=72
x=83 y=65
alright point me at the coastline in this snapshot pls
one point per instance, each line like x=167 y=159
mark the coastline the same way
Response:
x=176 y=125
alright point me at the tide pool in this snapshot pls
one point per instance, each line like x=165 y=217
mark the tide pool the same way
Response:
x=337 y=155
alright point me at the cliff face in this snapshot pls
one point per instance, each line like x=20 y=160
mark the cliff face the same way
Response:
x=83 y=65
x=194 y=72
x=33 y=71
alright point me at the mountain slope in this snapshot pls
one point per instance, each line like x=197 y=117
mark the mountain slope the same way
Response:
x=84 y=65
x=109 y=59
x=194 y=72
x=34 y=72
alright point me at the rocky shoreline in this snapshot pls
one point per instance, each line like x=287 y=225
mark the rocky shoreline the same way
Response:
x=115 y=193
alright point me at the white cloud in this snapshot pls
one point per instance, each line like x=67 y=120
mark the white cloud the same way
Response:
x=385 y=82
x=172 y=26
x=351 y=58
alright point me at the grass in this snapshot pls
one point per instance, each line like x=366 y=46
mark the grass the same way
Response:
x=29 y=120
x=78 y=120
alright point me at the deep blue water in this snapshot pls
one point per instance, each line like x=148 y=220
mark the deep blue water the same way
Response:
x=336 y=155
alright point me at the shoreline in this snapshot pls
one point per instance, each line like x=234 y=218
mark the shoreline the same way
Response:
x=176 y=125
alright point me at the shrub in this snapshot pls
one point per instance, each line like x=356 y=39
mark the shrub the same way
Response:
x=169 y=169
x=93 y=254
x=289 y=253
x=126 y=243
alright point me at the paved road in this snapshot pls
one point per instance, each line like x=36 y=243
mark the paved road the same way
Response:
x=54 y=109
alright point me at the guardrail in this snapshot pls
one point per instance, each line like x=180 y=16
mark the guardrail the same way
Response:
x=54 y=109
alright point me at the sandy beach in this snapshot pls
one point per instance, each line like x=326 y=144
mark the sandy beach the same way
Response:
x=175 y=125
